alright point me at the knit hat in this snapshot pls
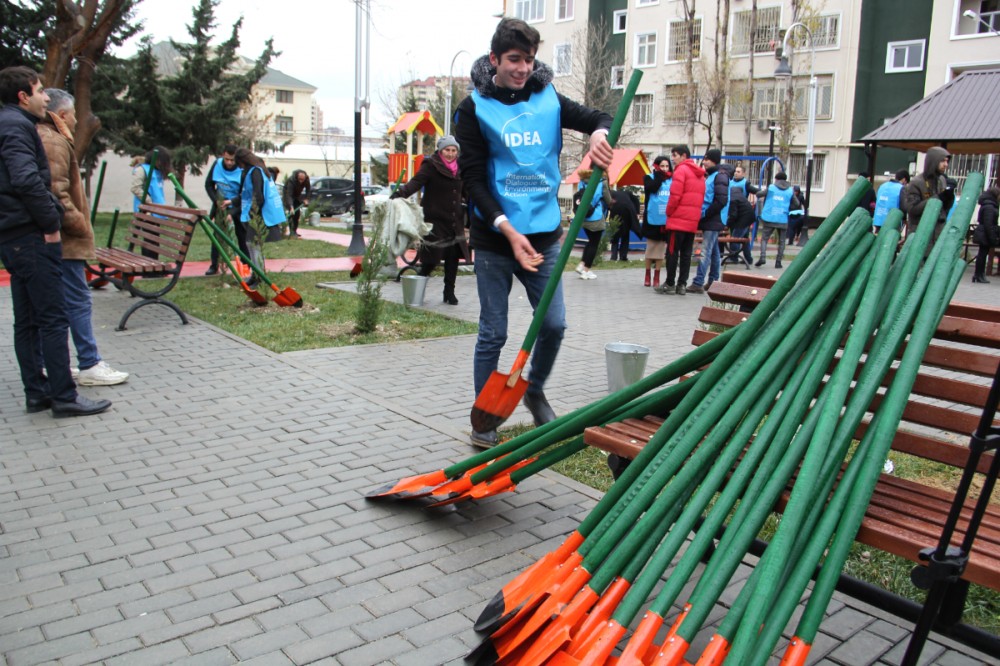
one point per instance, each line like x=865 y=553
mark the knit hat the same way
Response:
x=447 y=141
x=714 y=155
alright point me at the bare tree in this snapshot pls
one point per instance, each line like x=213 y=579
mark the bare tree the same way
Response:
x=802 y=12
x=590 y=83
x=748 y=93
x=691 y=100
x=723 y=69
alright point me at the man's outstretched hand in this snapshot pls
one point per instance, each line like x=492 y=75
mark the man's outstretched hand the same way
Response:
x=601 y=152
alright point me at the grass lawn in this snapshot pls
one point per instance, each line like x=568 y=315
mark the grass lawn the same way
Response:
x=325 y=320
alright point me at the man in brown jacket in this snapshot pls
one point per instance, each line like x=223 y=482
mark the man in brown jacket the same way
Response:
x=56 y=131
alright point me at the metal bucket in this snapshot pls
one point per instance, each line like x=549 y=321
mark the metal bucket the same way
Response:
x=413 y=289
x=314 y=219
x=626 y=364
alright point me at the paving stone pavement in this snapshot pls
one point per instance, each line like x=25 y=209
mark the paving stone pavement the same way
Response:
x=215 y=514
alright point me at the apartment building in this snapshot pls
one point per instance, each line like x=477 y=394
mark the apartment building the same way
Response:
x=426 y=91
x=286 y=104
x=872 y=59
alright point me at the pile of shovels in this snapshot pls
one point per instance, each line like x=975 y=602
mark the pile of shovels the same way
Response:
x=239 y=264
x=784 y=394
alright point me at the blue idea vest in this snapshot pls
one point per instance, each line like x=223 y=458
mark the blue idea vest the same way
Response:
x=523 y=169
x=888 y=198
x=657 y=205
x=274 y=211
x=710 y=197
x=597 y=201
x=227 y=182
x=155 y=192
x=776 y=205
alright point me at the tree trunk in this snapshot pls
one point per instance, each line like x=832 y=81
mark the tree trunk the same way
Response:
x=750 y=92
x=692 y=91
x=722 y=70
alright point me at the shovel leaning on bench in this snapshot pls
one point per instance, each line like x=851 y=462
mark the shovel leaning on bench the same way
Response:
x=286 y=297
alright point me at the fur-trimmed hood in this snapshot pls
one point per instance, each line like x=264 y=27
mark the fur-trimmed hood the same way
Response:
x=483 y=72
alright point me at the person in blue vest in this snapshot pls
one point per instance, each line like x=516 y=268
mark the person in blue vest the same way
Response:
x=779 y=200
x=161 y=170
x=595 y=222
x=714 y=217
x=888 y=198
x=742 y=198
x=222 y=184
x=259 y=196
x=654 y=218
x=510 y=132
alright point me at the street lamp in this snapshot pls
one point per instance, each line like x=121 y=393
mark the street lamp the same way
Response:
x=784 y=72
x=361 y=64
x=447 y=94
x=968 y=13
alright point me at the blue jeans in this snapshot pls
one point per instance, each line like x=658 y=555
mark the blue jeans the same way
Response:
x=495 y=275
x=79 y=310
x=709 y=256
x=40 y=323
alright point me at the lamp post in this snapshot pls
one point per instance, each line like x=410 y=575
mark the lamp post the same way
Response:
x=772 y=127
x=357 y=246
x=969 y=14
x=447 y=94
x=784 y=72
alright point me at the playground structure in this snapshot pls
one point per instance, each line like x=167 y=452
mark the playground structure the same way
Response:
x=416 y=125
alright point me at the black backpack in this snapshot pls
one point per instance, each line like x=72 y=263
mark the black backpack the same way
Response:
x=577 y=198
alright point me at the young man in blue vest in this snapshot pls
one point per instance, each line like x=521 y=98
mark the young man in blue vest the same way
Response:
x=714 y=217
x=223 y=184
x=509 y=130
x=779 y=200
x=31 y=250
x=888 y=198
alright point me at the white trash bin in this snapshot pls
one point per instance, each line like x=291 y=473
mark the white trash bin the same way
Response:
x=413 y=290
x=626 y=364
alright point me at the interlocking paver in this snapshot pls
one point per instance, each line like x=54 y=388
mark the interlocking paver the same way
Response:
x=240 y=532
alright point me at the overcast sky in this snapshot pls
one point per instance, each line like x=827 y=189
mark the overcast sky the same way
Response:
x=316 y=38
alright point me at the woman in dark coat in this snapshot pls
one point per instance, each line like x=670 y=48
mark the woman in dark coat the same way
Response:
x=987 y=233
x=443 y=210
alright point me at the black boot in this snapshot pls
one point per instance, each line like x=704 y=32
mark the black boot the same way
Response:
x=449 y=297
x=980 y=278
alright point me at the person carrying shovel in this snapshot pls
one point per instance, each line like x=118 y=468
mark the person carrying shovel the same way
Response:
x=509 y=130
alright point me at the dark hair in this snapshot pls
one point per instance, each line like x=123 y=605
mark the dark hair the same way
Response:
x=512 y=33
x=661 y=158
x=902 y=174
x=681 y=149
x=274 y=171
x=163 y=164
x=781 y=175
x=246 y=158
x=229 y=149
x=14 y=80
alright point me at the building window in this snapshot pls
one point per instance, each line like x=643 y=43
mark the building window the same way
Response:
x=564 y=10
x=283 y=125
x=619 y=23
x=284 y=96
x=674 y=104
x=765 y=37
x=646 y=3
x=905 y=57
x=797 y=171
x=826 y=31
x=645 y=49
x=530 y=11
x=617 y=78
x=769 y=96
x=642 y=111
x=562 y=59
x=678 y=47
x=989 y=15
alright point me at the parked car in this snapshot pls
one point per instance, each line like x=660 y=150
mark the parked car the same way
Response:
x=375 y=195
x=333 y=196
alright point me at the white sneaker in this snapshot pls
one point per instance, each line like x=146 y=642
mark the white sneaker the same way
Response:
x=101 y=374
x=75 y=373
x=580 y=268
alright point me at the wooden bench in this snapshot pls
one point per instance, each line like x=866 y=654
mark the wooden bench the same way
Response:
x=158 y=239
x=945 y=405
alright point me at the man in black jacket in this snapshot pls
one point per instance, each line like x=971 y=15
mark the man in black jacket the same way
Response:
x=509 y=130
x=31 y=249
x=714 y=217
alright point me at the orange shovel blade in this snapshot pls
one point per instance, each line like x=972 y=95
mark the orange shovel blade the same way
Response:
x=287 y=297
x=410 y=487
x=499 y=397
